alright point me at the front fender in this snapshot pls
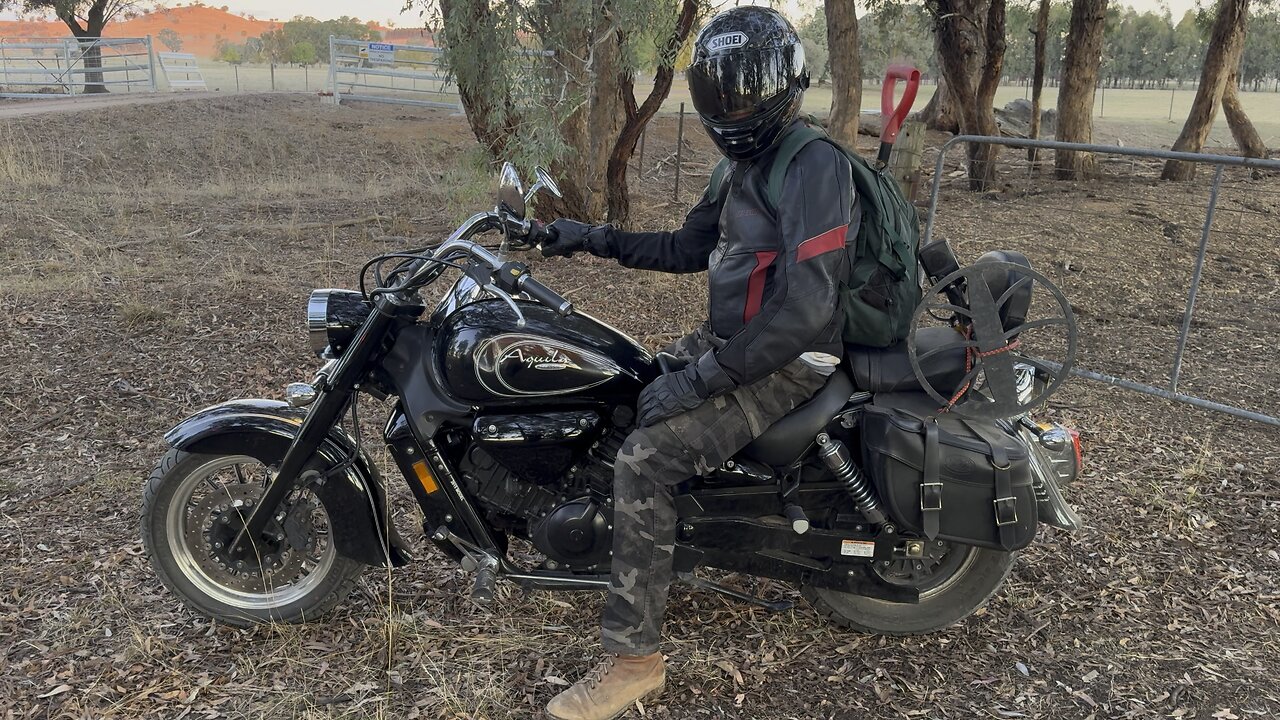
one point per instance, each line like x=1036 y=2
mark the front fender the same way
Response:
x=264 y=429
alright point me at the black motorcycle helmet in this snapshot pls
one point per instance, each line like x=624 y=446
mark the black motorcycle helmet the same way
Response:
x=747 y=78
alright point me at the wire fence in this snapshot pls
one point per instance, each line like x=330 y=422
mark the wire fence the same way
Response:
x=1177 y=284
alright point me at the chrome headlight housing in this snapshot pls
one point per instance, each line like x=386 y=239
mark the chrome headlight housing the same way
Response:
x=333 y=317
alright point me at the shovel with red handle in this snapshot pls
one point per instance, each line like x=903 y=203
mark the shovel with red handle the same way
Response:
x=891 y=116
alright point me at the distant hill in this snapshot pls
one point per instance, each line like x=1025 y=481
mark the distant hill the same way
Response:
x=199 y=26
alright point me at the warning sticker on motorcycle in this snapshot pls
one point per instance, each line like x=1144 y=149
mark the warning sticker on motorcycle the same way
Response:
x=858 y=548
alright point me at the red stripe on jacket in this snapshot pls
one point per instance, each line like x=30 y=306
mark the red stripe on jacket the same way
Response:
x=828 y=241
x=755 y=285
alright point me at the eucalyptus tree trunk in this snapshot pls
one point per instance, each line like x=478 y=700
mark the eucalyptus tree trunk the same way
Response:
x=483 y=88
x=591 y=63
x=1079 y=79
x=89 y=51
x=969 y=29
x=940 y=112
x=1247 y=139
x=846 y=70
x=1226 y=42
x=638 y=116
x=1037 y=78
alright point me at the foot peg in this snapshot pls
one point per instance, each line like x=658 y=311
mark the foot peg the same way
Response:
x=484 y=564
x=799 y=521
x=486 y=579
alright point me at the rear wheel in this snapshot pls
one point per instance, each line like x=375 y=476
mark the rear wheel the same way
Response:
x=193 y=508
x=953 y=581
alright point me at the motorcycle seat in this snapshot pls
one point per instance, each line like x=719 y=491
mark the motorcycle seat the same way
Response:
x=889 y=369
x=791 y=436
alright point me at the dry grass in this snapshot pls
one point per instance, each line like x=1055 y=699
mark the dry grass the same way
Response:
x=164 y=269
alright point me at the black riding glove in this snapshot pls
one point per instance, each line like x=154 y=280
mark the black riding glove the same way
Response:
x=566 y=237
x=682 y=391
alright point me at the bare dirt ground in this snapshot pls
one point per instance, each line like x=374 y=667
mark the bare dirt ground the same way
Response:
x=154 y=260
x=16 y=108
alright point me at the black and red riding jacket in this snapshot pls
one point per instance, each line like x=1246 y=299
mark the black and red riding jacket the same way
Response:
x=774 y=277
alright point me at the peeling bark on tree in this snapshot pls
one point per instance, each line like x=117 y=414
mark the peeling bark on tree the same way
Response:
x=940 y=112
x=493 y=120
x=1079 y=80
x=1041 y=34
x=965 y=29
x=1247 y=138
x=592 y=65
x=846 y=71
x=1226 y=42
x=638 y=117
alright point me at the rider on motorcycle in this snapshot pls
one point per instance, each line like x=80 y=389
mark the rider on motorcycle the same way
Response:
x=772 y=339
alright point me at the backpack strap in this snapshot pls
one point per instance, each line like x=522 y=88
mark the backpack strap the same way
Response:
x=717 y=177
x=792 y=143
x=867 y=182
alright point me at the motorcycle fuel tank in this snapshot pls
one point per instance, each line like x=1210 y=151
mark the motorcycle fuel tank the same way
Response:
x=485 y=359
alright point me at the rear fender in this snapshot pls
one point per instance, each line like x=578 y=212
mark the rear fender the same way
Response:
x=264 y=429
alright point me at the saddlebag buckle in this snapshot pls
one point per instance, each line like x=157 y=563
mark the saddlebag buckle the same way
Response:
x=1006 y=510
x=930 y=497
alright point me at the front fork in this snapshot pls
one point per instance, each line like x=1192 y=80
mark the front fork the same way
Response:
x=330 y=403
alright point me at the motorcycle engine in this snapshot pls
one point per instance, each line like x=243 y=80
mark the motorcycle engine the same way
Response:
x=569 y=520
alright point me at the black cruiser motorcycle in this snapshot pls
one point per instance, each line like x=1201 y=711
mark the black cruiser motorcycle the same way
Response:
x=896 y=498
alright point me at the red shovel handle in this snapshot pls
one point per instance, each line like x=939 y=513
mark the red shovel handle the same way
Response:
x=890 y=115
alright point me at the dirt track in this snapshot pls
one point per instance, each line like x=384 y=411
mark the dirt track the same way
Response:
x=10 y=109
x=152 y=272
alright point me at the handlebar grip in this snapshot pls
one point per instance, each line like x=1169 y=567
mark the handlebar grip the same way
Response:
x=545 y=295
x=538 y=232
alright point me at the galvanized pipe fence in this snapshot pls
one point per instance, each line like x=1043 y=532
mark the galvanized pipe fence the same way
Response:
x=38 y=67
x=1118 y=233
x=389 y=73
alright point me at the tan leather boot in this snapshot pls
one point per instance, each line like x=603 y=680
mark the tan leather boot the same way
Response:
x=610 y=688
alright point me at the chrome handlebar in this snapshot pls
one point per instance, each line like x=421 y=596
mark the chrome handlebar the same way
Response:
x=459 y=243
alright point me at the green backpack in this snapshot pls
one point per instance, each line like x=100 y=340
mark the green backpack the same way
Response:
x=883 y=288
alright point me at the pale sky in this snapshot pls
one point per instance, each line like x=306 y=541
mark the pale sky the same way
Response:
x=383 y=10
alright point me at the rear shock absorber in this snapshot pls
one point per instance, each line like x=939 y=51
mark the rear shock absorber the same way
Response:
x=836 y=456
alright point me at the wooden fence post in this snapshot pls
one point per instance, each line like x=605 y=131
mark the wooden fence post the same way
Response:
x=904 y=163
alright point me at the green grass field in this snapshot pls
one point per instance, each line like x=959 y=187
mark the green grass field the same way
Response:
x=1133 y=117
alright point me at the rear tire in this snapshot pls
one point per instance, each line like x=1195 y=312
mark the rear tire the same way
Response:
x=944 y=602
x=177 y=532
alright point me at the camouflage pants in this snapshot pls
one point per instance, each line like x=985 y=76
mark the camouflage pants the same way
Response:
x=654 y=459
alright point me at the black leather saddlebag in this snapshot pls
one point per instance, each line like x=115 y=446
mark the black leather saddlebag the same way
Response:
x=946 y=477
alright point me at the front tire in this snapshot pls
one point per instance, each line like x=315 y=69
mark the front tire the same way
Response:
x=968 y=577
x=191 y=505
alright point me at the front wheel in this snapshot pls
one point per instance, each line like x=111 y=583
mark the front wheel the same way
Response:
x=193 y=507
x=953 y=581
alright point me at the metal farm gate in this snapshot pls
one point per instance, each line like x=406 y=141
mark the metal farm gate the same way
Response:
x=390 y=73
x=39 y=67
x=1125 y=216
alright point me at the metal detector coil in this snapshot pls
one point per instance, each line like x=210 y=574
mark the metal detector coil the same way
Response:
x=995 y=345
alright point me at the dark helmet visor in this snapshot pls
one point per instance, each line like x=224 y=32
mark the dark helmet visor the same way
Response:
x=731 y=87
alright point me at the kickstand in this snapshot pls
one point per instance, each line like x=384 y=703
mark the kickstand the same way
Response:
x=775 y=606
